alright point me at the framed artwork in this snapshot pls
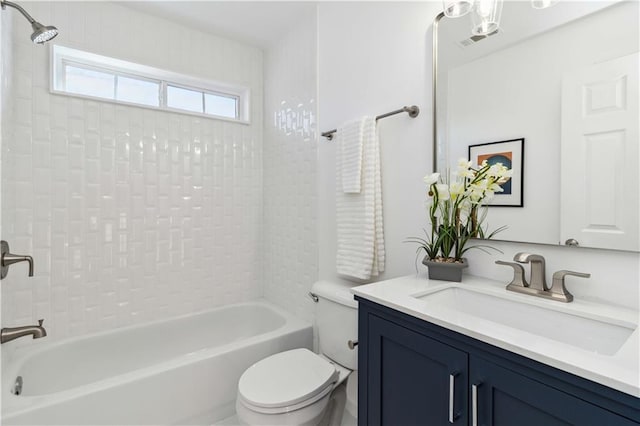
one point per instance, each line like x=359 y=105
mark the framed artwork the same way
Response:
x=511 y=154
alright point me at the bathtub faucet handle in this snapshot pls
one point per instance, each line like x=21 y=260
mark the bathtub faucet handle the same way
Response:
x=7 y=259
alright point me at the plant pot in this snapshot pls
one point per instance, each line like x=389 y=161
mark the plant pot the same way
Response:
x=445 y=271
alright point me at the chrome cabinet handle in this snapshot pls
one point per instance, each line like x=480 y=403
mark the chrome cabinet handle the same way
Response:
x=474 y=405
x=452 y=393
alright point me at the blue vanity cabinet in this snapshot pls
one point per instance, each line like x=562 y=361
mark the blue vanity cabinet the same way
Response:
x=412 y=372
x=504 y=397
x=414 y=379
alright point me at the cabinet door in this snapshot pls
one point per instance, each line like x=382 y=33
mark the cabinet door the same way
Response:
x=503 y=397
x=414 y=380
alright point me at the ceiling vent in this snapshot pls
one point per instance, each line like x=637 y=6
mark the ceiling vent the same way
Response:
x=476 y=38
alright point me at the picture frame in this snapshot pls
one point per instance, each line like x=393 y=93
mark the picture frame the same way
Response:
x=511 y=154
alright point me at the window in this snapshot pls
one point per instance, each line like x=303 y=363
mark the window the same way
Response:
x=78 y=73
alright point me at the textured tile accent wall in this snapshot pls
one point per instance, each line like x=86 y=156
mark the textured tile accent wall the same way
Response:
x=6 y=59
x=290 y=151
x=130 y=214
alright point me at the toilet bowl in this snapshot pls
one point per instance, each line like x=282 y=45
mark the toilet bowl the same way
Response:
x=300 y=387
x=290 y=388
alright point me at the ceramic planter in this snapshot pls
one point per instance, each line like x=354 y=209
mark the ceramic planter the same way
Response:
x=445 y=271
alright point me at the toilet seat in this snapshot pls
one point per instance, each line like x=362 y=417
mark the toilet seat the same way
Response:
x=286 y=381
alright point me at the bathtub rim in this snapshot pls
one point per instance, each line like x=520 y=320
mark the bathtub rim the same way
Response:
x=14 y=405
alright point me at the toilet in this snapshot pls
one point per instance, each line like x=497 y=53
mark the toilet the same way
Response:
x=300 y=387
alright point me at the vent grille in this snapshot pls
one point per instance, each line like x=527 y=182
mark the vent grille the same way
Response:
x=476 y=38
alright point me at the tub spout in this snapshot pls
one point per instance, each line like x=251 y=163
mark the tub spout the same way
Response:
x=8 y=334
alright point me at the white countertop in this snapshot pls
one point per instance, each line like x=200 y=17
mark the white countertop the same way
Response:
x=620 y=371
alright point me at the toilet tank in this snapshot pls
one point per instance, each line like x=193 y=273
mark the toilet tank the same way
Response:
x=337 y=322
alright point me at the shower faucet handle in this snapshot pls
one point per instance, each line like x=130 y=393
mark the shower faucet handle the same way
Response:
x=7 y=259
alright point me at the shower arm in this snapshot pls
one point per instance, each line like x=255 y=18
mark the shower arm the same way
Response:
x=5 y=3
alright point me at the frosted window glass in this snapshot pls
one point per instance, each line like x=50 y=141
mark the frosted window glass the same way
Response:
x=188 y=100
x=89 y=82
x=223 y=106
x=137 y=91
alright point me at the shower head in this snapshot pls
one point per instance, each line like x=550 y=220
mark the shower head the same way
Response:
x=41 y=34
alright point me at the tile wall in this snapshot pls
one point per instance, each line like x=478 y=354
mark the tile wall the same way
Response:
x=6 y=75
x=130 y=214
x=290 y=161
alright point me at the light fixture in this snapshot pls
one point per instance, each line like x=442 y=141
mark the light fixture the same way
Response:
x=457 y=8
x=485 y=17
x=542 y=4
x=41 y=33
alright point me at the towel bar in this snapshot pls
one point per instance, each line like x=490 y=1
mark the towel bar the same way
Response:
x=413 y=112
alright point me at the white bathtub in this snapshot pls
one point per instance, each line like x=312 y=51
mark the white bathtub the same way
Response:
x=179 y=371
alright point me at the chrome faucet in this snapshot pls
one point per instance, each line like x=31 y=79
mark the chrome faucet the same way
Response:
x=8 y=334
x=538 y=284
x=7 y=259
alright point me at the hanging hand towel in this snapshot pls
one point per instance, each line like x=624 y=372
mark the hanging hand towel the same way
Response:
x=350 y=152
x=360 y=245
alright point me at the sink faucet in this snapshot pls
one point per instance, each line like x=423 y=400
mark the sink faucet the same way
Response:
x=538 y=280
x=8 y=334
x=538 y=285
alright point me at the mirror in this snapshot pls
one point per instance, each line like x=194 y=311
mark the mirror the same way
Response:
x=540 y=78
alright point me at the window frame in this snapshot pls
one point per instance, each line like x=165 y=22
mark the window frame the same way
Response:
x=62 y=56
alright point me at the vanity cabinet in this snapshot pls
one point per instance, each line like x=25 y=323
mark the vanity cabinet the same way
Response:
x=412 y=372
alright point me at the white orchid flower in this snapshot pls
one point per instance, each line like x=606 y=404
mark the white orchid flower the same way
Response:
x=496 y=170
x=456 y=189
x=494 y=187
x=443 y=191
x=431 y=179
x=465 y=172
x=463 y=163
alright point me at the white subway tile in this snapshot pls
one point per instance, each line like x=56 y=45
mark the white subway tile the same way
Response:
x=127 y=211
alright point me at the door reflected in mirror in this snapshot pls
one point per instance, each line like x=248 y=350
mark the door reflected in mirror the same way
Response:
x=556 y=78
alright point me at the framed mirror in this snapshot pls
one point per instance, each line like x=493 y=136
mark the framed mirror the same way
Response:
x=565 y=80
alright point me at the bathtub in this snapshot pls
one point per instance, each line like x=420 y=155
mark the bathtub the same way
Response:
x=179 y=371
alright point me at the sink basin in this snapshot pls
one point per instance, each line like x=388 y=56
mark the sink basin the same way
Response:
x=590 y=334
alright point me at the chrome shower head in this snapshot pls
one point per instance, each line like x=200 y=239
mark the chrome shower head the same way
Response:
x=41 y=34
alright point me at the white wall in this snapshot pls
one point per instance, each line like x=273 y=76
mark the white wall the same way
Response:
x=290 y=152
x=130 y=214
x=374 y=58
x=515 y=93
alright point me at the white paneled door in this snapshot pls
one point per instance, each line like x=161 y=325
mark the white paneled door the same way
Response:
x=599 y=179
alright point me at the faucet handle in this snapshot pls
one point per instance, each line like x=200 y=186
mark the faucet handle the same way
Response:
x=558 y=286
x=7 y=259
x=518 y=274
x=40 y=321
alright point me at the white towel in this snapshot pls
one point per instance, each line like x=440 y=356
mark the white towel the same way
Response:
x=350 y=152
x=360 y=246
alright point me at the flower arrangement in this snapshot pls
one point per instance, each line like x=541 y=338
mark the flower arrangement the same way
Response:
x=457 y=209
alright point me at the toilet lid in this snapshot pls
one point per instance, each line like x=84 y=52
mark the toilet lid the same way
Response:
x=286 y=378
